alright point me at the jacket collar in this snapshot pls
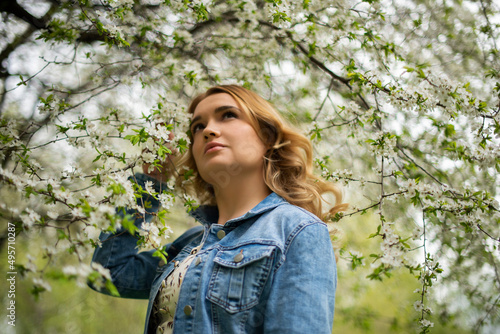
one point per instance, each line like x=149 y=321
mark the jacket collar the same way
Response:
x=208 y=214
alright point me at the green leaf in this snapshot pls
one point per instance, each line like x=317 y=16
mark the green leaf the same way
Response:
x=128 y=224
x=112 y=288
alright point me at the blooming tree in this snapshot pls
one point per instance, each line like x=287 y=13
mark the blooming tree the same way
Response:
x=400 y=99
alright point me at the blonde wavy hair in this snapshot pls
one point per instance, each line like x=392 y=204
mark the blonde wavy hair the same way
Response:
x=288 y=164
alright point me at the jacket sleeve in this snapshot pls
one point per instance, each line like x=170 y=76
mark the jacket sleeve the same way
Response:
x=302 y=296
x=132 y=272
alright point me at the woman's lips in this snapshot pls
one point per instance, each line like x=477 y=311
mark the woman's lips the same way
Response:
x=213 y=146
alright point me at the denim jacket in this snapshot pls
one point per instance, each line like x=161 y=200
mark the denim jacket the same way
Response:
x=271 y=270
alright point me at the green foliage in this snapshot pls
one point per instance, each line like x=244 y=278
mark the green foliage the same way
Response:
x=140 y=137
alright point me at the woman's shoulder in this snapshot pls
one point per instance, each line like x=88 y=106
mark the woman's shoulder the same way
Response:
x=278 y=209
x=287 y=220
x=288 y=226
x=293 y=213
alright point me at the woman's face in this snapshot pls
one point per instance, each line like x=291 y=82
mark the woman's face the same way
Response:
x=225 y=145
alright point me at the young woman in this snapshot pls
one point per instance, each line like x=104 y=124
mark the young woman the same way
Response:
x=262 y=261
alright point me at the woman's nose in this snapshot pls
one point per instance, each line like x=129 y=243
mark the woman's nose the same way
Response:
x=210 y=131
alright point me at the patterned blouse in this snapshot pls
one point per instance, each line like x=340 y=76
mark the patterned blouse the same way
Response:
x=168 y=295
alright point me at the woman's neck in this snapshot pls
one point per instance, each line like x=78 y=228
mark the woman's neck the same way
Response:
x=239 y=195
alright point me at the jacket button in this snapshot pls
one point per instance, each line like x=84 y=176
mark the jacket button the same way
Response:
x=187 y=310
x=221 y=234
x=238 y=257
x=162 y=263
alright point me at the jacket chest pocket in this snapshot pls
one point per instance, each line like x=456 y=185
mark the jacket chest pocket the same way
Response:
x=239 y=276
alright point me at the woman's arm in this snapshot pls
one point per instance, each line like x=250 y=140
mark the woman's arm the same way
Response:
x=302 y=296
x=132 y=272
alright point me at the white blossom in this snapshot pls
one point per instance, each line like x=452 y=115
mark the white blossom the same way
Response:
x=82 y=271
x=166 y=200
x=417 y=232
x=38 y=282
x=153 y=235
x=392 y=250
x=149 y=157
x=29 y=218
x=149 y=187
x=92 y=232
x=30 y=265
x=418 y=305
x=426 y=323
x=104 y=272
x=52 y=214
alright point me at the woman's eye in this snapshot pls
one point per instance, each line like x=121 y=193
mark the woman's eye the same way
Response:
x=229 y=114
x=196 y=128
